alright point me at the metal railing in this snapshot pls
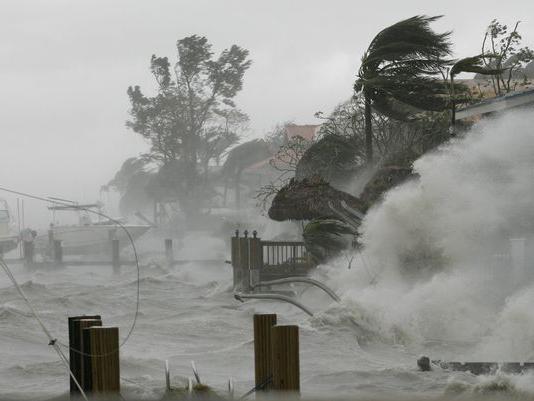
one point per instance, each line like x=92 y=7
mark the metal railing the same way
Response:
x=287 y=253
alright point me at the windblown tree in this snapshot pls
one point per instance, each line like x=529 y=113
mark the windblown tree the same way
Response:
x=283 y=163
x=475 y=64
x=399 y=70
x=131 y=182
x=238 y=159
x=502 y=52
x=186 y=121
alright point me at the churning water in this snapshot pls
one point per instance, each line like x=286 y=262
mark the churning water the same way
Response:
x=446 y=271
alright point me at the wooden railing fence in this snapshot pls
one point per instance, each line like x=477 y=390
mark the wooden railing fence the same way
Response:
x=254 y=260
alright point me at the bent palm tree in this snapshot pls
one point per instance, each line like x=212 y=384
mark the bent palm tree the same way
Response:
x=469 y=64
x=241 y=157
x=398 y=72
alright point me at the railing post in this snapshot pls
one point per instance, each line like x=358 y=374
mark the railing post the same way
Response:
x=285 y=358
x=115 y=255
x=103 y=370
x=244 y=263
x=75 y=347
x=263 y=350
x=58 y=252
x=169 y=255
x=255 y=259
x=235 y=260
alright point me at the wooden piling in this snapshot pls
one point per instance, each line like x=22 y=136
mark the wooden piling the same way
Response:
x=85 y=364
x=263 y=323
x=51 y=239
x=58 y=252
x=169 y=254
x=28 y=252
x=75 y=347
x=115 y=255
x=102 y=370
x=285 y=358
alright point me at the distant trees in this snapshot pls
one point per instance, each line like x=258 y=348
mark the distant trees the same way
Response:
x=287 y=154
x=192 y=118
x=341 y=157
x=506 y=56
x=131 y=182
x=398 y=70
x=475 y=64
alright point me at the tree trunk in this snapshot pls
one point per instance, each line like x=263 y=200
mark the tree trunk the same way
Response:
x=368 y=131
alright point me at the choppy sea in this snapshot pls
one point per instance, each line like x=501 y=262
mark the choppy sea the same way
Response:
x=188 y=313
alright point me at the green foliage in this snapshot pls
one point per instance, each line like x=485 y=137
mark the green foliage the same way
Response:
x=334 y=158
x=399 y=70
x=506 y=56
x=390 y=136
x=325 y=238
x=401 y=66
x=474 y=64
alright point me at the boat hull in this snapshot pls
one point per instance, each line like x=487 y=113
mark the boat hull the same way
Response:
x=8 y=243
x=90 y=239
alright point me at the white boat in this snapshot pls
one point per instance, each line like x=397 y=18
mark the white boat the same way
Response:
x=87 y=237
x=8 y=238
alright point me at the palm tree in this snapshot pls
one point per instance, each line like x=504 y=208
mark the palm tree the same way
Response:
x=469 y=64
x=398 y=72
x=327 y=238
x=238 y=159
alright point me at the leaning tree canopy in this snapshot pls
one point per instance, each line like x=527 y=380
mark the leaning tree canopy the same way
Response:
x=335 y=158
x=309 y=199
x=402 y=68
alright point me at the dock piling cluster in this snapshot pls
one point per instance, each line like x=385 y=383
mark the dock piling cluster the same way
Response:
x=276 y=355
x=93 y=356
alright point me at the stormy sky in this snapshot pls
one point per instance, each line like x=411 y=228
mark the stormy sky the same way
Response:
x=65 y=66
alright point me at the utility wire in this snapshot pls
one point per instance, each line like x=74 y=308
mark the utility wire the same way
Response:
x=51 y=340
x=60 y=202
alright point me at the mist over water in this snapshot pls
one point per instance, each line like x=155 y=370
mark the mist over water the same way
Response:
x=445 y=271
x=439 y=251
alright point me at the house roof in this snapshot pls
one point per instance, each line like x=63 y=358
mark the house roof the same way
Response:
x=511 y=100
x=305 y=131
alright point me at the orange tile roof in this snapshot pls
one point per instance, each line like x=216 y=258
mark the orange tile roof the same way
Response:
x=305 y=131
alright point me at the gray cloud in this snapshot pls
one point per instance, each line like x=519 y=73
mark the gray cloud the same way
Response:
x=65 y=66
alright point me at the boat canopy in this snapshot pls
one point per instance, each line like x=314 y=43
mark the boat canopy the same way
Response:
x=76 y=207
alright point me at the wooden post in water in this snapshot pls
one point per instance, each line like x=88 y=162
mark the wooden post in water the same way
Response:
x=28 y=252
x=285 y=358
x=75 y=344
x=85 y=363
x=169 y=255
x=102 y=370
x=115 y=255
x=51 y=240
x=58 y=252
x=263 y=350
